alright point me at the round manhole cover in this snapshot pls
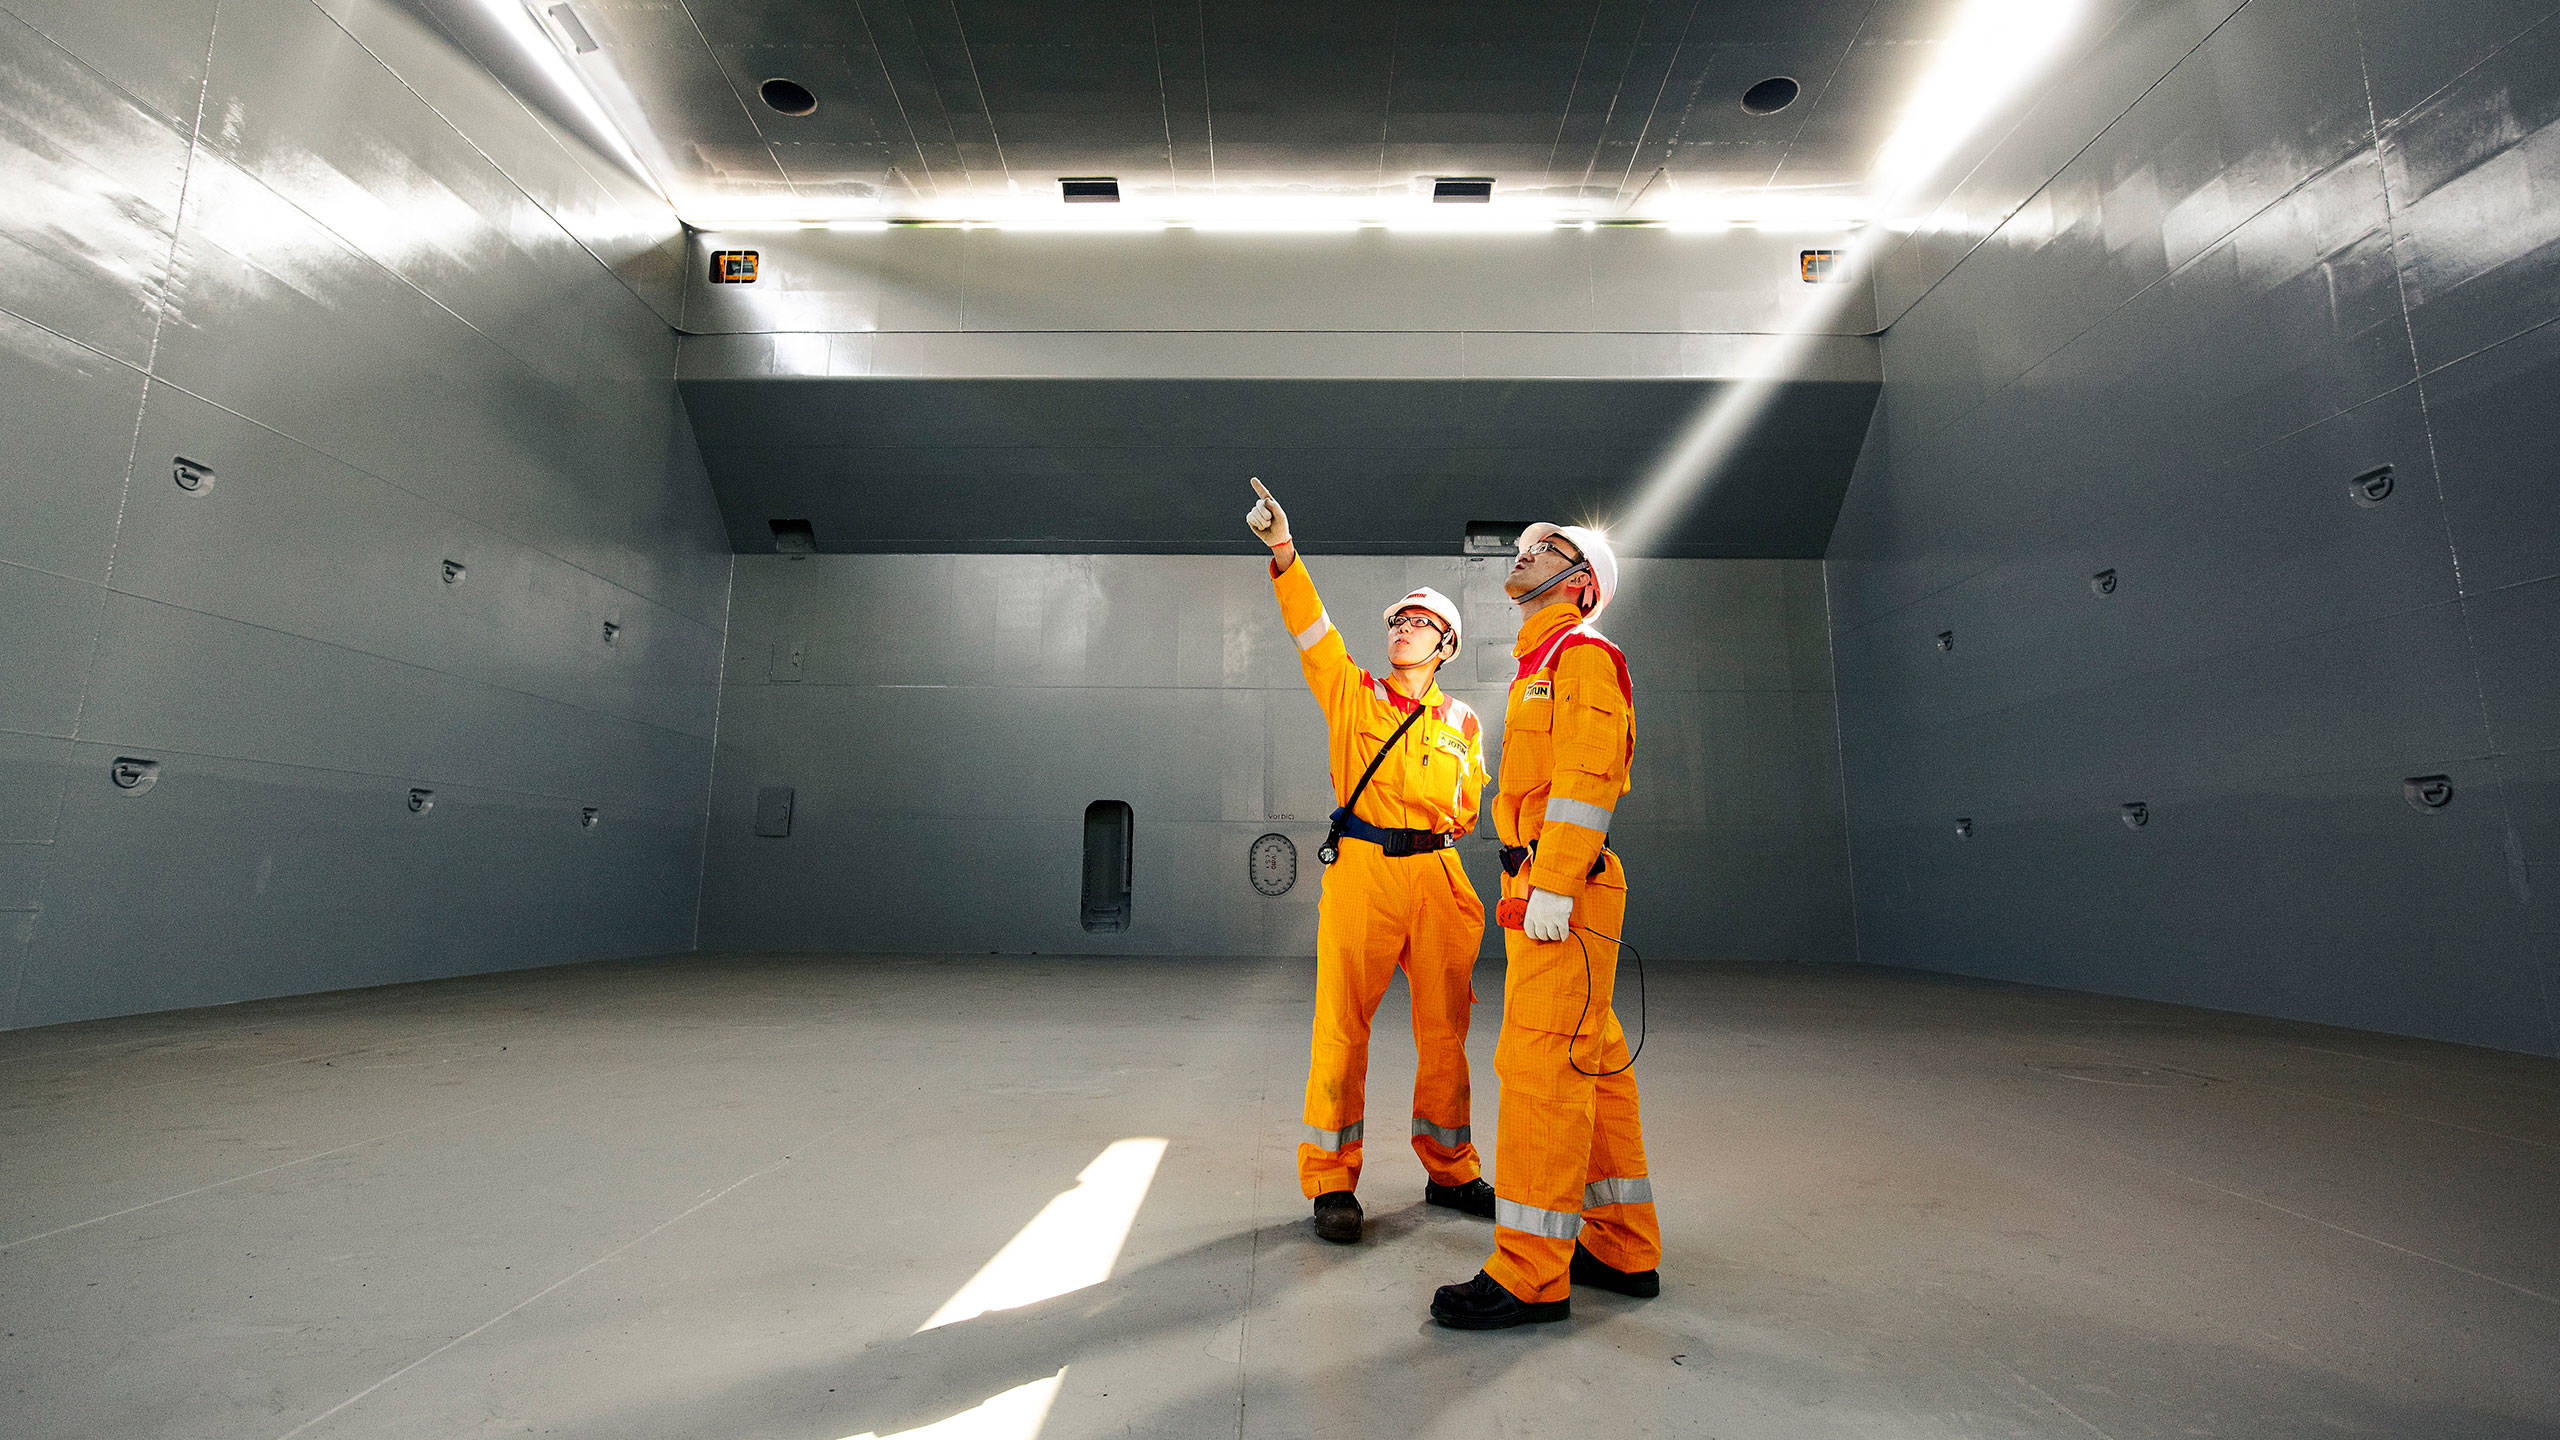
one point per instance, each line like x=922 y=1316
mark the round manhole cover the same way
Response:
x=2089 y=1072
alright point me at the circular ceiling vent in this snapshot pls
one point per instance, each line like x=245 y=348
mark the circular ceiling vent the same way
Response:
x=1770 y=96
x=793 y=98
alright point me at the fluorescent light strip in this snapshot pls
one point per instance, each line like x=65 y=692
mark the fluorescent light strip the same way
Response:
x=742 y=225
x=535 y=39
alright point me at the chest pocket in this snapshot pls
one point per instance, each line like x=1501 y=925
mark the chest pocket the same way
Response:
x=1451 y=742
x=1533 y=704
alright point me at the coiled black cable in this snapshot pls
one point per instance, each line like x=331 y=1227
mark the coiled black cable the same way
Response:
x=1644 y=1012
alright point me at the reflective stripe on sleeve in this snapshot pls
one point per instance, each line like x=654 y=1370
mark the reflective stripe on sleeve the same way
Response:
x=1342 y=1139
x=1578 y=812
x=1453 y=1138
x=1310 y=637
x=1553 y=1224
x=1618 y=1190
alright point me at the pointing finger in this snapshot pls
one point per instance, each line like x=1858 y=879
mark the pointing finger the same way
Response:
x=1257 y=488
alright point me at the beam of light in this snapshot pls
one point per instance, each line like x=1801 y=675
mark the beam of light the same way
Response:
x=1993 y=50
x=1015 y=1414
x=517 y=20
x=1072 y=1243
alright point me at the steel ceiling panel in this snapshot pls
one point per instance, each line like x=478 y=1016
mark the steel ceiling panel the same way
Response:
x=922 y=100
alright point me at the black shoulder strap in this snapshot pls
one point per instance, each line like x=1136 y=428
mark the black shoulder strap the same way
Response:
x=1363 y=787
x=1333 y=838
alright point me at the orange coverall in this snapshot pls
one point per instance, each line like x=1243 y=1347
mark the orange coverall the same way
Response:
x=1570 y=1152
x=1381 y=912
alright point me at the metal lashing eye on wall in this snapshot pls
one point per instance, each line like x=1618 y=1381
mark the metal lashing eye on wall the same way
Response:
x=2136 y=814
x=588 y=817
x=774 y=804
x=612 y=632
x=133 y=776
x=1272 y=864
x=2371 y=488
x=2103 y=583
x=421 y=801
x=2427 y=792
x=1946 y=639
x=453 y=572
x=192 y=476
x=1964 y=827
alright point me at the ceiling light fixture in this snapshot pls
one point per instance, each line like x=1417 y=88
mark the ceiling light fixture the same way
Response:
x=581 y=40
x=543 y=49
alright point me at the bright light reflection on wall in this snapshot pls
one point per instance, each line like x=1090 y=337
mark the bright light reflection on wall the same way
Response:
x=1072 y=1243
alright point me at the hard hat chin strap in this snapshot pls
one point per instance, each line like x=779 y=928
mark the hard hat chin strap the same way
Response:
x=1578 y=567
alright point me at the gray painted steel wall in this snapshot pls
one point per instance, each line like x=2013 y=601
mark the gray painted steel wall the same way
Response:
x=405 y=323
x=948 y=718
x=2326 y=241
x=1388 y=467
x=941 y=389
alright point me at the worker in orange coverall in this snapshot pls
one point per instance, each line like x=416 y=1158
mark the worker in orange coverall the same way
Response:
x=1395 y=896
x=1574 y=1200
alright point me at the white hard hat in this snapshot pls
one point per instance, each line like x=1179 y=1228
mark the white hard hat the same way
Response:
x=1595 y=549
x=1438 y=604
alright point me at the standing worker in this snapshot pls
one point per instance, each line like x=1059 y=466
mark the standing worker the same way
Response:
x=1575 y=1201
x=1408 y=769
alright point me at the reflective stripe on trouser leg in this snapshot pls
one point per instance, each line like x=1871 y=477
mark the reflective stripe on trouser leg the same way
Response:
x=1563 y=1129
x=1353 y=927
x=1342 y=1139
x=1546 y=1224
x=1452 y=1136
x=1444 y=929
x=1541 y=1161
x=1619 y=1226
x=1617 y=1190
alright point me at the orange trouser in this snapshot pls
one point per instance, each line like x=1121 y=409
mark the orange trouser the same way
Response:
x=1380 y=912
x=1570 y=1155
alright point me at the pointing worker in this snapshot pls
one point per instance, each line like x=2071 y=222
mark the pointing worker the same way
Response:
x=1575 y=1200
x=1408 y=769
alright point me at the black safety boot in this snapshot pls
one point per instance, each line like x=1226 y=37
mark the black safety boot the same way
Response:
x=1338 y=1217
x=1473 y=1198
x=1482 y=1304
x=1590 y=1269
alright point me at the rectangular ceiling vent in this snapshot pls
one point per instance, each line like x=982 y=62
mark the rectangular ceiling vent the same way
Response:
x=1446 y=191
x=1493 y=537
x=572 y=29
x=794 y=537
x=1091 y=190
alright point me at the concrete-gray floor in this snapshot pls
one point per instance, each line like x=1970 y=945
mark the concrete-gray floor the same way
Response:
x=716 y=1199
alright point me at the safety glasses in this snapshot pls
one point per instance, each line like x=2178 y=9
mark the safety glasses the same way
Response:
x=1416 y=622
x=1547 y=547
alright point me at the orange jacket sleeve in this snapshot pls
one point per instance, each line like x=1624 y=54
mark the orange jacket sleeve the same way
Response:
x=1331 y=672
x=1594 y=748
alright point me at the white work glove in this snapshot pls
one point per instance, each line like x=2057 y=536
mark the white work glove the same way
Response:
x=1269 y=523
x=1550 y=916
